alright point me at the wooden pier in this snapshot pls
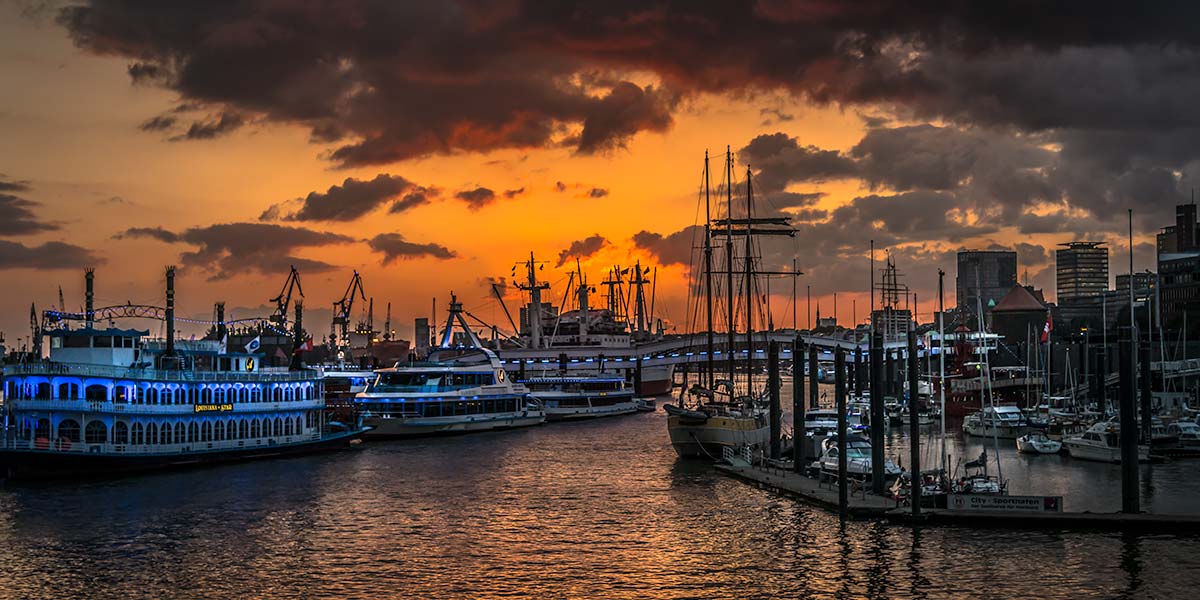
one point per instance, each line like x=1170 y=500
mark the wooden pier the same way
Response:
x=865 y=505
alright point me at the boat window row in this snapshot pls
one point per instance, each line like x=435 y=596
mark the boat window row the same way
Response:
x=160 y=394
x=430 y=382
x=578 y=386
x=446 y=408
x=165 y=432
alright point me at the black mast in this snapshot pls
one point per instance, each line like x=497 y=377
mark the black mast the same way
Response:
x=708 y=274
x=729 y=352
x=749 y=287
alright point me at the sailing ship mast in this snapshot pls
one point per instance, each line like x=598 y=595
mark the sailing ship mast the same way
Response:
x=708 y=299
x=729 y=341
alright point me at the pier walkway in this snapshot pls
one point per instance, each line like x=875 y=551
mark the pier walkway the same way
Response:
x=864 y=505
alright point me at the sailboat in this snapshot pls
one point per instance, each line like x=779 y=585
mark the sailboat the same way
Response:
x=714 y=418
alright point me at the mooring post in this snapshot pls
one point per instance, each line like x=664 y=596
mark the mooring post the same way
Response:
x=773 y=391
x=839 y=379
x=1130 y=502
x=1147 y=393
x=813 y=381
x=914 y=425
x=889 y=377
x=637 y=375
x=798 y=438
x=877 y=416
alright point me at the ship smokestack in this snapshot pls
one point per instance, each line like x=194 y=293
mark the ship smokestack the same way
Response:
x=89 y=277
x=170 y=311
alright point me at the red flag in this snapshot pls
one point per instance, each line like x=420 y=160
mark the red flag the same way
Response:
x=1047 y=328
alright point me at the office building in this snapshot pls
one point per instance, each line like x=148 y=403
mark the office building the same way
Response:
x=985 y=275
x=1081 y=270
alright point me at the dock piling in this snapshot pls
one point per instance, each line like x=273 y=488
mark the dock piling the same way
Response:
x=1130 y=501
x=914 y=425
x=877 y=416
x=773 y=393
x=1147 y=392
x=812 y=377
x=798 y=438
x=839 y=361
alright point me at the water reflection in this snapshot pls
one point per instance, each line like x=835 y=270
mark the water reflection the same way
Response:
x=593 y=510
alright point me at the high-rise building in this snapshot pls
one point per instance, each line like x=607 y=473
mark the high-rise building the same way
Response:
x=987 y=275
x=1179 y=266
x=1082 y=270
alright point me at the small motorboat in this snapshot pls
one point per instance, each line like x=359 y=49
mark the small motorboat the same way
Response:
x=645 y=404
x=1036 y=442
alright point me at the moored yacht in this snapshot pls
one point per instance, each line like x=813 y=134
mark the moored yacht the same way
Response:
x=709 y=427
x=570 y=398
x=1101 y=442
x=456 y=389
x=1004 y=422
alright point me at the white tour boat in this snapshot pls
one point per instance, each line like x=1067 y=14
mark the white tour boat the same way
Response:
x=570 y=398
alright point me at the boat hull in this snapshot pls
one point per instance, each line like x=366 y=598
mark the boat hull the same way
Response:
x=708 y=439
x=577 y=413
x=1101 y=454
x=655 y=381
x=50 y=464
x=405 y=427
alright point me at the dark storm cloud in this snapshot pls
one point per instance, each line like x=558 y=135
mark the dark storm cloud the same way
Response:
x=477 y=198
x=159 y=123
x=352 y=199
x=581 y=249
x=231 y=249
x=213 y=127
x=394 y=247
x=672 y=249
x=47 y=256
x=17 y=218
x=1031 y=254
x=780 y=160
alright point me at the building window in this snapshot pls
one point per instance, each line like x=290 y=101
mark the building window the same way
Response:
x=120 y=433
x=68 y=429
x=137 y=435
x=96 y=393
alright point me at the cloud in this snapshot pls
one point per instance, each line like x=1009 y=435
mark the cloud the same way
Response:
x=477 y=198
x=394 y=247
x=597 y=193
x=17 y=218
x=514 y=193
x=673 y=249
x=231 y=249
x=582 y=249
x=780 y=161
x=13 y=186
x=45 y=257
x=352 y=199
x=774 y=115
x=159 y=123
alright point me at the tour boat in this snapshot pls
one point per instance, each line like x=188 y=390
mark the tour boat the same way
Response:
x=1005 y=422
x=1036 y=442
x=455 y=389
x=1101 y=442
x=112 y=401
x=570 y=398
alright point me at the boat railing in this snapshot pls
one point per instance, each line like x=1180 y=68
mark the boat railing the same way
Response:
x=84 y=405
x=62 y=446
x=117 y=372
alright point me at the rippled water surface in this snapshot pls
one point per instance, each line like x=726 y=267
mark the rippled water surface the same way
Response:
x=598 y=509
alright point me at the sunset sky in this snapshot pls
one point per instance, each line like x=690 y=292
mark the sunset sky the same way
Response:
x=432 y=145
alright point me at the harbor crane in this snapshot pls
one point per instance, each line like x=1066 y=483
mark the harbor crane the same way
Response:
x=284 y=299
x=342 y=309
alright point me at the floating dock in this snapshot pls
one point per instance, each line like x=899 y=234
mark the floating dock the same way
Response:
x=864 y=505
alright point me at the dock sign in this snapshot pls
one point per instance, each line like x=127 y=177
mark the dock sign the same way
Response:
x=989 y=502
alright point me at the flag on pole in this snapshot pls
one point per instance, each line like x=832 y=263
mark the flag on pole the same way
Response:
x=1047 y=328
x=253 y=345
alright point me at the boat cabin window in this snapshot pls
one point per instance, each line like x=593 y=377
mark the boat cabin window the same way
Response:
x=75 y=341
x=421 y=382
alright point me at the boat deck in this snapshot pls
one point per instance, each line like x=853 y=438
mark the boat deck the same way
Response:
x=863 y=504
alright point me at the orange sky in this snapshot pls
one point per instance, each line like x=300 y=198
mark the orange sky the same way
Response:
x=69 y=122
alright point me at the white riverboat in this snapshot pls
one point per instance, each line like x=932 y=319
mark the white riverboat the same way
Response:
x=456 y=389
x=571 y=398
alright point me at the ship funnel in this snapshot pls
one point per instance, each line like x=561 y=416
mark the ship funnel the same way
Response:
x=89 y=277
x=170 y=311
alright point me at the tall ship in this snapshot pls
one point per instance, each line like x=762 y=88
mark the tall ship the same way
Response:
x=583 y=340
x=113 y=400
x=459 y=387
x=715 y=418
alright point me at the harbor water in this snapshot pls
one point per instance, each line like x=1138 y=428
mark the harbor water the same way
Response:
x=587 y=510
